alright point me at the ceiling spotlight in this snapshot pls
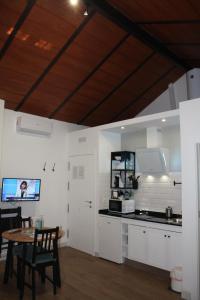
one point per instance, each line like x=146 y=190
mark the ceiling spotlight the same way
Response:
x=86 y=12
x=73 y=2
x=163 y=120
x=122 y=127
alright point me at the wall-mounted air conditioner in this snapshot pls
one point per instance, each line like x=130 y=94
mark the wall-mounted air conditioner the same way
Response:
x=34 y=125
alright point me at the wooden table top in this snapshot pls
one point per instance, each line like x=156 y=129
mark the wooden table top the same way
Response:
x=24 y=235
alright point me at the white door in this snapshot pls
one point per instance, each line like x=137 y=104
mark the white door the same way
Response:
x=81 y=203
x=137 y=243
x=174 y=250
x=110 y=239
x=157 y=248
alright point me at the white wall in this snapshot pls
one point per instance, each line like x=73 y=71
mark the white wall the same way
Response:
x=190 y=135
x=24 y=155
x=157 y=192
x=164 y=102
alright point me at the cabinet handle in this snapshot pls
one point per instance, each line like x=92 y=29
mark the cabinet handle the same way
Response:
x=108 y=222
x=144 y=231
x=165 y=235
x=169 y=236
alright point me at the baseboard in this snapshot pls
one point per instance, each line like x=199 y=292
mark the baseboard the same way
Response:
x=63 y=244
x=185 y=295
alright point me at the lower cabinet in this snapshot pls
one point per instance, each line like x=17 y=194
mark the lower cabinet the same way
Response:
x=155 y=247
x=137 y=250
x=110 y=239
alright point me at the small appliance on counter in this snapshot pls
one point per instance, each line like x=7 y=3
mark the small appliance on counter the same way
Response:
x=169 y=212
x=122 y=206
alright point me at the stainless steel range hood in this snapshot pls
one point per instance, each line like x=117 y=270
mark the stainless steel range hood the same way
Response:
x=154 y=159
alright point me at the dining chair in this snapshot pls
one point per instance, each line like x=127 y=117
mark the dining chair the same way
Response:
x=9 y=219
x=43 y=253
x=26 y=222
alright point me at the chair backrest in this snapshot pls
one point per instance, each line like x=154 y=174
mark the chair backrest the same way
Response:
x=26 y=222
x=45 y=241
x=10 y=218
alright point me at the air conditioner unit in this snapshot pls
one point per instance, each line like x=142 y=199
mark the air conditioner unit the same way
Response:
x=34 y=125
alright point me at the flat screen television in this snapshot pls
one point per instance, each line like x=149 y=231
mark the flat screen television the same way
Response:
x=20 y=189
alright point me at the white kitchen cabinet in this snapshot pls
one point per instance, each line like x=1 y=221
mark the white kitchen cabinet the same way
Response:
x=174 y=250
x=164 y=249
x=110 y=239
x=156 y=247
x=137 y=243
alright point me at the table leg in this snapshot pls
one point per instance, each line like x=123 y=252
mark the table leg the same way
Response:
x=8 y=262
x=22 y=272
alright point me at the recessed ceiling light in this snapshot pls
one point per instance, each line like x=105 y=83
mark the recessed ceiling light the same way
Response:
x=122 y=127
x=163 y=120
x=73 y=2
x=85 y=13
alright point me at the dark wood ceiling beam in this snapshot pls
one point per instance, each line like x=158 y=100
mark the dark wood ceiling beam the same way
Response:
x=183 y=44
x=118 y=86
x=169 y=22
x=19 y=23
x=89 y=75
x=56 y=58
x=142 y=94
x=114 y=15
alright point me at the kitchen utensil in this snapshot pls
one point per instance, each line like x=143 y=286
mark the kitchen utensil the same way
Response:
x=115 y=194
x=126 y=195
x=135 y=183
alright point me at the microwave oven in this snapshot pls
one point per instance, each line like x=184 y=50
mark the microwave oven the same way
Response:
x=122 y=206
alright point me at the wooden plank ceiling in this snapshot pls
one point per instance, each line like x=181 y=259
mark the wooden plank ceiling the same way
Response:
x=91 y=70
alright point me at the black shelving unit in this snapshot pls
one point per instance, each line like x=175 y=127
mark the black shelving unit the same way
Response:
x=122 y=170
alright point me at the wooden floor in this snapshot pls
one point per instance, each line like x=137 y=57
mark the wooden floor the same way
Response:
x=89 y=278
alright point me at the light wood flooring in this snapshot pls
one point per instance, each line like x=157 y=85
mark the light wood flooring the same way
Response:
x=89 y=278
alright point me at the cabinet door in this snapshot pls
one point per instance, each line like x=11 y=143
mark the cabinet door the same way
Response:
x=137 y=243
x=174 y=250
x=110 y=239
x=157 y=248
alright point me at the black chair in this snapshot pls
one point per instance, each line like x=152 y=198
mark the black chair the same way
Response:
x=9 y=218
x=43 y=253
x=26 y=222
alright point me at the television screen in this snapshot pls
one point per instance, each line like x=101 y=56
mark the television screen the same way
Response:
x=20 y=189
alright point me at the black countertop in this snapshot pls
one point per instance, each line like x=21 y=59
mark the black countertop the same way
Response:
x=149 y=216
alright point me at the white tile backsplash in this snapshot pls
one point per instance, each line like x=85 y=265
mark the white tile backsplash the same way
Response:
x=157 y=192
x=154 y=193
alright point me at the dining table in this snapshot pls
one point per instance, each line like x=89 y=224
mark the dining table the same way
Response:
x=22 y=236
